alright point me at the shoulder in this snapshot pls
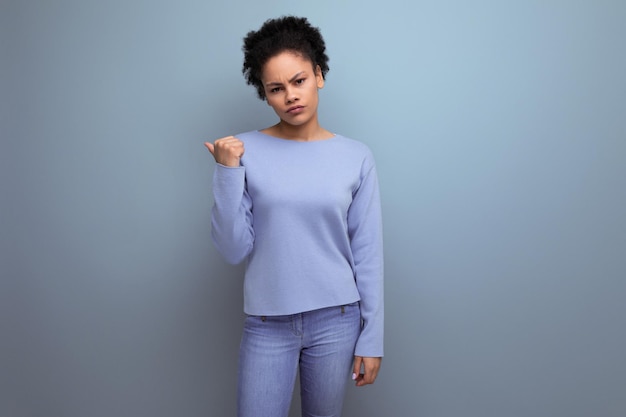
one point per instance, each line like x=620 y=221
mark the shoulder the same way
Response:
x=353 y=144
x=355 y=149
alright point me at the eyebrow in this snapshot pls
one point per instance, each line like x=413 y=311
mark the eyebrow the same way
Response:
x=291 y=80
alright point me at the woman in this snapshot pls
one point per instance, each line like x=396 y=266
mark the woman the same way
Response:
x=301 y=206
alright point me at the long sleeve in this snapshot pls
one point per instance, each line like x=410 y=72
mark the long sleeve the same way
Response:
x=231 y=216
x=366 y=241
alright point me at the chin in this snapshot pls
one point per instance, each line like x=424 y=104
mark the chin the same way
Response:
x=294 y=123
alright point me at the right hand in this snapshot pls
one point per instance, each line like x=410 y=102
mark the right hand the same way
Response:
x=226 y=151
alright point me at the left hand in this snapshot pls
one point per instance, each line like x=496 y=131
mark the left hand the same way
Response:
x=371 y=366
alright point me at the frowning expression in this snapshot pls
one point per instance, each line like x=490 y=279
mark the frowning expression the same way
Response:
x=291 y=87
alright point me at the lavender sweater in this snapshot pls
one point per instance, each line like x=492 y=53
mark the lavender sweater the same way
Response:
x=305 y=216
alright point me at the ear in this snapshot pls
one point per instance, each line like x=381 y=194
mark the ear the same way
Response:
x=319 y=77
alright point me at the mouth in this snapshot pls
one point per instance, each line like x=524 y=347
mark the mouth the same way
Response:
x=295 y=109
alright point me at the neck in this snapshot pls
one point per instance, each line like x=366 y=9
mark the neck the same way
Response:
x=306 y=132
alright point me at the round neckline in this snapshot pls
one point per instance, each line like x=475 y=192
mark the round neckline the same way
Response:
x=297 y=141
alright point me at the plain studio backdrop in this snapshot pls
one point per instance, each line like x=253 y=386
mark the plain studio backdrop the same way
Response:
x=499 y=130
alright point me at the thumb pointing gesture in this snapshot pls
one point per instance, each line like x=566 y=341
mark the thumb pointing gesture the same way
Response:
x=226 y=151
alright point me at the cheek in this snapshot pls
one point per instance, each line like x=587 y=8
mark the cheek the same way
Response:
x=273 y=104
x=314 y=92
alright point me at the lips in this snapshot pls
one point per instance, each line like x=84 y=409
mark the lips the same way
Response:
x=295 y=109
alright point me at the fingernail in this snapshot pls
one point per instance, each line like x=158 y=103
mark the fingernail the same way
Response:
x=353 y=377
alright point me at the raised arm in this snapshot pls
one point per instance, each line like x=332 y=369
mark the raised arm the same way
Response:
x=231 y=216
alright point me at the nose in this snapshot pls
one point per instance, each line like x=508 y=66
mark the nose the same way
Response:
x=290 y=95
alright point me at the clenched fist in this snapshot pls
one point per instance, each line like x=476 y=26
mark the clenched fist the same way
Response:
x=226 y=151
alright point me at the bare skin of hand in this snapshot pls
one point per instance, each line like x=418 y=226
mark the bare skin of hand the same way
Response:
x=371 y=366
x=226 y=151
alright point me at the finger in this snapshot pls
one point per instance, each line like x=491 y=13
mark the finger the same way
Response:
x=231 y=145
x=369 y=377
x=226 y=140
x=210 y=147
x=371 y=367
x=356 y=368
x=364 y=379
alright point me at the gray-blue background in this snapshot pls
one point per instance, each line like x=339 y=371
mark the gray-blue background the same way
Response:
x=499 y=130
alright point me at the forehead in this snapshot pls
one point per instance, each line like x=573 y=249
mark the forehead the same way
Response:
x=286 y=64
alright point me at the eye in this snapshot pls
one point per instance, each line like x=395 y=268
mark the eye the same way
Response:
x=300 y=81
x=275 y=90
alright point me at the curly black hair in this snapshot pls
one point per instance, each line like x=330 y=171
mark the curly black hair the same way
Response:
x=287 y=33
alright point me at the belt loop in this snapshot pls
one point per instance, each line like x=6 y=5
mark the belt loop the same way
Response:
x=263 y=318
x=343 y=309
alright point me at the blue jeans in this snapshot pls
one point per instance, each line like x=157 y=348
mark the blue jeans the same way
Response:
x=320 y=343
